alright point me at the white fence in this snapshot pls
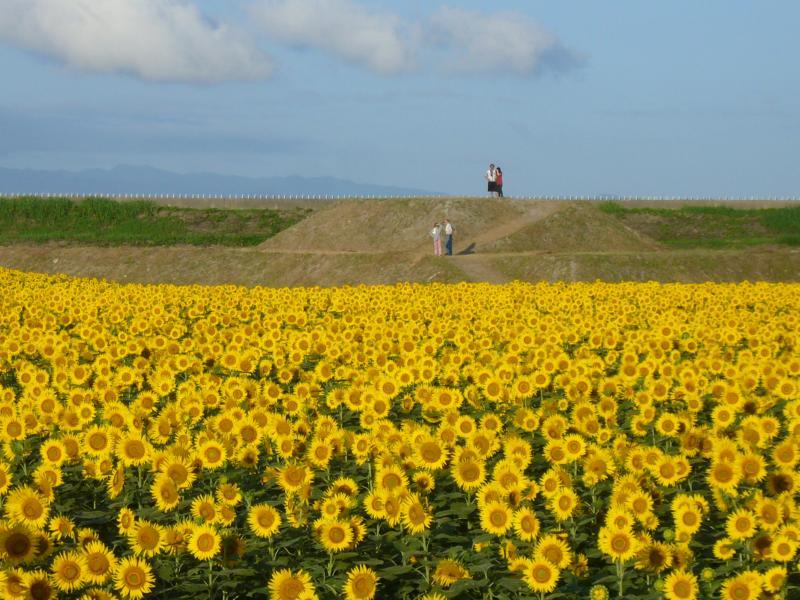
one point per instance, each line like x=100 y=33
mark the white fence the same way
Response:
x=309 y=197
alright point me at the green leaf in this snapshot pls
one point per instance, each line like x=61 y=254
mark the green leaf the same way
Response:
x=394 y=572
x=512 y=584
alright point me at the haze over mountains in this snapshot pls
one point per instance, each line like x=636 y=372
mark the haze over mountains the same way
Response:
x=128 y=179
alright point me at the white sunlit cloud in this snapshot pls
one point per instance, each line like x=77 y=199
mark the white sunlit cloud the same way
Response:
x=378 y=40
x=155 y=40
x=451 y=40
x=495 y=42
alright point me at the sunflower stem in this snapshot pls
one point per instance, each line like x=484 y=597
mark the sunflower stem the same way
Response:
x=425 y=557
x=620 y=575
x=330 y=564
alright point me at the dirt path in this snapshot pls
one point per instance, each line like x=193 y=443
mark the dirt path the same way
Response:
x=219 y=265
x=533 y=213
x=479 y=267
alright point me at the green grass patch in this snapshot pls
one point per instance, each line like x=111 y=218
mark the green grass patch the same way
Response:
x=104 y=222
x=711 y=226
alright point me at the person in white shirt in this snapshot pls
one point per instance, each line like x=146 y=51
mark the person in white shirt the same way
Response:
x=491 y=181
x=436 y=234
x=448 y=237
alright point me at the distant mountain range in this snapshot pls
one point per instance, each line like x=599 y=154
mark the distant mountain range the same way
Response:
x=127 y=179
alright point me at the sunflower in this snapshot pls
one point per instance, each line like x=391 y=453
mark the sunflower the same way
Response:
x=680 y=585
x=782 y=481
x=133 y=578
x=146 y=538
x=554 y=550
x=27 y=507
x=496 y=518
x=429 y=454
x=724 y=476
x=5 y=478
x=165 y=493
x=334 y=535
x=688 y=519
x=344 y=485
x=769 y=513
x=126 y=521
x=320 y=453
x=361 y=584
x=212 y=454
x=133 y=449
x=742 y=587
x=293 y=477
x=723 y=549
x=53 y=452
x=666 y=471
x=783 y=548
x=424 y=482
x=509 y=476
x=469 y=474
x=116 y=482
x=100 y=562
x=541 y=576
x=448 y=572
x=785 y=454
x=69 y=571
x=17 y=544
x=415 y=516
x=641 y=504
x=555 y=452
x=741 y=525
x=774 y=579
x=61 y=527
x=204 y=507
x=752 y=468
x=619 y=544
x=204 y=542
x=391 y=478
x=526 y=525
x=286 y=584
x=264 y=520
x=654 y=557
x=563 y=503
x=374 y=504
x=179 y=470
x=38 y=585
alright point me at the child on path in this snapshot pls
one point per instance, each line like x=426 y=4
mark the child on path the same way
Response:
x=436 y=234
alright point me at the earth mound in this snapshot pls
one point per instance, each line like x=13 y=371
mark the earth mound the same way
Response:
x=403 y=225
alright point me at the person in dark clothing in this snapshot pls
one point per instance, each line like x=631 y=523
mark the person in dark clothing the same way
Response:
x=498 y=181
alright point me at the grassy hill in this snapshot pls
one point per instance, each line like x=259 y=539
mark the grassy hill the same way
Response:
x=386 y=241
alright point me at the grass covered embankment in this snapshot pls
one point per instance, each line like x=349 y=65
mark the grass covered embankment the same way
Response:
x=104 y=222
x=711 y=226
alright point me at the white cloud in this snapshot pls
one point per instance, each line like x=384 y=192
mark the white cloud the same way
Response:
x=379 y=40
x=157 y=40
x=496 y=42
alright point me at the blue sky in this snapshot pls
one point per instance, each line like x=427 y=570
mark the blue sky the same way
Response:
x=571 y=98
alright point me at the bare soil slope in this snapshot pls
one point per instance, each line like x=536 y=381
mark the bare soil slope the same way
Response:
x=579 y=227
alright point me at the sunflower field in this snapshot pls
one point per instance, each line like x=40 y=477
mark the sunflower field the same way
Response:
x=410 y=441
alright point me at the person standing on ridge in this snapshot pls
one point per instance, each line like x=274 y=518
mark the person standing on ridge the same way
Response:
x=491 y=182
x=448 y=237
x=498 y=181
